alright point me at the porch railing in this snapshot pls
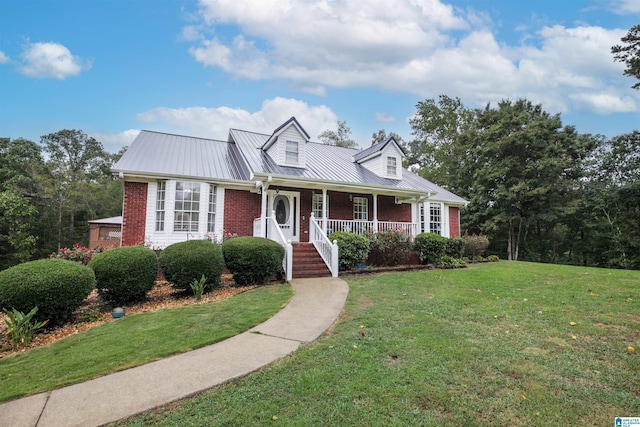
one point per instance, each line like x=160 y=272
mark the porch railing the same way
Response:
x=327 y=249
x=274 y=232
x=370 y=227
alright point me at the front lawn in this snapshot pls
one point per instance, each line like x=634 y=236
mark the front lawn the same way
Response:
x=137 y=339
x=507 y=343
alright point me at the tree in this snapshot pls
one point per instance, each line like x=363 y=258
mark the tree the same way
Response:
x=76 y=164
x=339 y=138
x=20 y=163
x=382 y=136
x=435 y=150
x=629 y=53
x=17 y=242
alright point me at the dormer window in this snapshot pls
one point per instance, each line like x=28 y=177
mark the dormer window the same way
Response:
x=392 y=166
x=291 y=152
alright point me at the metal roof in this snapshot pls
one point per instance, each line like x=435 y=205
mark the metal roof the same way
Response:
x=111 y=220
x=376 y=148
x=241 y=159
x=163 y=154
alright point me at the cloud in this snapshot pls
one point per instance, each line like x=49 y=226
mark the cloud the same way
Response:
x=216 y=122
x=113 y=142
x=421 y=47
x=623 y=7
x=51 y=60
x=4 y=58
x=384 y=118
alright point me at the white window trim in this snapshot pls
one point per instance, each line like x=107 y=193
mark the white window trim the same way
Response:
x=363 y=201
x=395 y=166
x=288 y=152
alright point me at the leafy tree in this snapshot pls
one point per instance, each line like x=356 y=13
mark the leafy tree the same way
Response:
x=435 y=151
x=17 y=242
x=629 y=53
x=339 y=138
x=382 y=136
x=20 y=163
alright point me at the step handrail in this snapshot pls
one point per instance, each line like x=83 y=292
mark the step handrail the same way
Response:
x=327 y=249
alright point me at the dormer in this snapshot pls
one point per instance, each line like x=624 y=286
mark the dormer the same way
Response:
x=384 y=159
x=287 y=146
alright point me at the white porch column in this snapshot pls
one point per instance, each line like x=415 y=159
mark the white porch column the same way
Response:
x=263 y=211
x=324 y=210
x=375 y=213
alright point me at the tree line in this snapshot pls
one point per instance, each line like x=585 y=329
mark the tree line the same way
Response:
x=49 y=191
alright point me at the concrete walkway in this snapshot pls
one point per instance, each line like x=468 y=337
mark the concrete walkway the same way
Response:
x=313 y=309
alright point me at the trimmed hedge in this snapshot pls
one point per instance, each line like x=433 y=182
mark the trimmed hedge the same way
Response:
x=252 y=260
x=475 y=245
x=353 y=249
x=455 y=247
x=56 y=286
x=126 y=274
x=184 y=262
x=389 y=248
x=430 y=248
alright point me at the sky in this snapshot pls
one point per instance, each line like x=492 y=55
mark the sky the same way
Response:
x=112 y=67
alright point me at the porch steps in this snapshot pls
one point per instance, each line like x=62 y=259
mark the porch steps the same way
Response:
x=307 y=262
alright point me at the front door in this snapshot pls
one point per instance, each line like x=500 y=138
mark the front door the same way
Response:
x=286 y=205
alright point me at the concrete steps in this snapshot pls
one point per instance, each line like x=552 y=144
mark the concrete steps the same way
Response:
x=307 y=262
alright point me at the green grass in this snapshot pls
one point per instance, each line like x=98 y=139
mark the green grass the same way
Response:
x=137 y=339
x=487 y=345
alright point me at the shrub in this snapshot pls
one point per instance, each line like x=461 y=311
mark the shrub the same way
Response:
x=430 y=248
x=20 y=328
x=353 y=249
x=252 y=260
x=475 y=245
x=493 y=258
x=451 y=262
x=184 y=262
x=455 y=247
x=57 y=287
x=126 y=274
x=77 y=253
x=389 y=248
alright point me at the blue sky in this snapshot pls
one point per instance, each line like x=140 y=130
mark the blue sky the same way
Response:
x=114 y=67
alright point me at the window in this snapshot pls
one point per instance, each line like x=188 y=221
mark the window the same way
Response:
x=211 y=217
x=422 y=223
x=160 y=198
x=291 y=152
x=187 y=206
x=435 y=218
x=361 y=208
x=392 y=166
x=317 y=205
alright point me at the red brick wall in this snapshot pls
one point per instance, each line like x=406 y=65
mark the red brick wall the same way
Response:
x=134 y=213
x=240 y=209
x=340 y=207
x=454 y=221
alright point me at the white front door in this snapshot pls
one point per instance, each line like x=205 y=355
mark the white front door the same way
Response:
x=286 y=205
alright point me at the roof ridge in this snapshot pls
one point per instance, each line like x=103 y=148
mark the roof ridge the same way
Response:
x=183 y=136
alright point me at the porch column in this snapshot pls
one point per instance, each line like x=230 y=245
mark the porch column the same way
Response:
x=263 y=211
x=375 y=213
x=324 y=210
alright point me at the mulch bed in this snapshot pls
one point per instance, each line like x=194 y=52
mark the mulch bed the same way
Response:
x=93 y=312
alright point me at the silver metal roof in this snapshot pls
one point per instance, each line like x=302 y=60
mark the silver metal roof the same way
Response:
x=241 y=158
x=111 y=220
x=375 y=148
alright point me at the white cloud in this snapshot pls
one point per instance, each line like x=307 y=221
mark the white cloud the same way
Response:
x=384 y=118
x=623 y=7
x=51 y=60
x=113 y=142
x=4 y=58
x=605 y=103
x=422 y=47
x=216 y=122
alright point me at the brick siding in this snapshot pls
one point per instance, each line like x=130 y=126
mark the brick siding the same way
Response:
x=240 y=209
x=134 y=213
x=454 y=221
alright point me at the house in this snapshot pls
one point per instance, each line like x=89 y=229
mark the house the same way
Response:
x=282 y=186
x=105 y=232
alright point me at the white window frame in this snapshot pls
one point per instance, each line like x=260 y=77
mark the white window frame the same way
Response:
x=292 y=152
x=436 y=219
x=211 y=214
x=316 y=205
x=187 y=215
x=161 y=197
x=392 y=166
x=361 y=209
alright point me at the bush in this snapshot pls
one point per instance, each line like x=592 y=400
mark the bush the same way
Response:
x=252 y=260
x=184 y=262
x=475 y=245
x=77 y=253
x=493 y=258
x=126 y=274
x=455 y=247
x=389 y=248
x=353 y=249
x=430 y=248
x=57 y=287
x=451 y=262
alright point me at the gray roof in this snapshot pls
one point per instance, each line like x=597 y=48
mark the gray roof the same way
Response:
x=376 y=148
x=242 y=158
x=111 y=220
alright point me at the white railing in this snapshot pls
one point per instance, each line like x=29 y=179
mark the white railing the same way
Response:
x=327 y=249
x=370 y=227
x=275 y=233
x=257 y=227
